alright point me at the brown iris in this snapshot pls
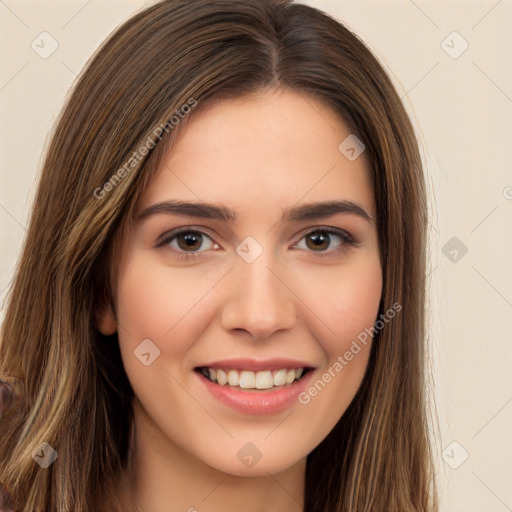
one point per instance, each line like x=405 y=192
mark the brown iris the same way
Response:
x=319 y=240
x=189 y=240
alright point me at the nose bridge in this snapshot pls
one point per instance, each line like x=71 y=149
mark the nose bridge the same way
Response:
x=259 y=302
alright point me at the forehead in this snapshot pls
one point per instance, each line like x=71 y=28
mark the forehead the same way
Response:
x=272 y=149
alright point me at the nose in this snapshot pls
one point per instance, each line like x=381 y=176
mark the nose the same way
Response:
x=259 y=301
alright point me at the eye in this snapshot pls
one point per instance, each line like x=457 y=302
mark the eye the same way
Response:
x=326 y=240
x=188 y=242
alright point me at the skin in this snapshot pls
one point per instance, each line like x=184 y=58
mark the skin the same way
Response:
x=256 y=155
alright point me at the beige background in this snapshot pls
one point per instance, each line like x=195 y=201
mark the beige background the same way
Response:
x=461 y=104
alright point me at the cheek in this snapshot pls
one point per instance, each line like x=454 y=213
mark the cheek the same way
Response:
x=154 y=302
x=352 y=315
x=347 y=308
x=164 y=305
x=356 y=303
x=344 y=301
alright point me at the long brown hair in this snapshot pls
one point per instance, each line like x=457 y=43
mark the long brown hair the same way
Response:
x=71 y=389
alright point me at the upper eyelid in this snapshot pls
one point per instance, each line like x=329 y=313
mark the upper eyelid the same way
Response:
x=165 y=237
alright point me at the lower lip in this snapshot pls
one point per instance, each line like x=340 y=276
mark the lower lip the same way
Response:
x=258 y=403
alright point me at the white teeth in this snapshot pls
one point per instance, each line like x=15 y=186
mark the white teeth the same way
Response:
x=233 y=378
x=222 y=378
x=247 y=380
x=264 y=379
x=280 y=378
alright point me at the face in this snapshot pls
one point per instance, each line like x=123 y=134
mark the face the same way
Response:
x=236 y=321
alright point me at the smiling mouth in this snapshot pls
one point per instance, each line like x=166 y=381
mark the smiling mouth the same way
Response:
x=250 y=380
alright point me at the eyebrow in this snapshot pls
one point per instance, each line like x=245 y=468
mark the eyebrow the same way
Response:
x=310 y=211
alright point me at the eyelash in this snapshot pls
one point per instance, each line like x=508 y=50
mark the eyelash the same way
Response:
x=347 y=241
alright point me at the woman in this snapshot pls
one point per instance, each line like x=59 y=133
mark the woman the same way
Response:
x=220 y=301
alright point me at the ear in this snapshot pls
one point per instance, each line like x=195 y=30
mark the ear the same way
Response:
x=105 y=318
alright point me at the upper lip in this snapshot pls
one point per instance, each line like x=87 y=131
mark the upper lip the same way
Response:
x=256 y=364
